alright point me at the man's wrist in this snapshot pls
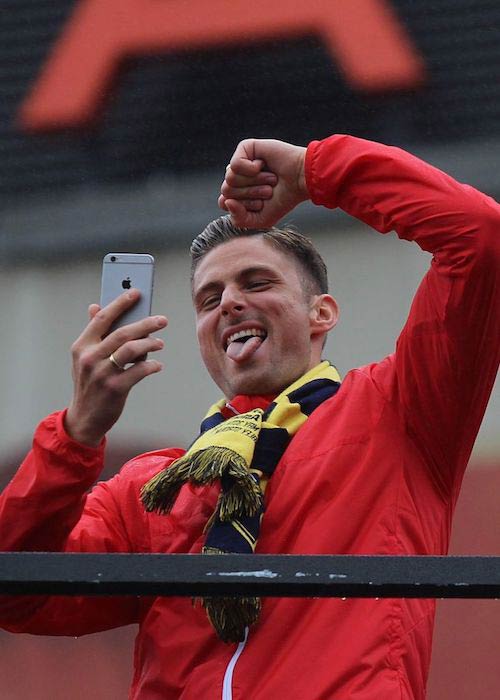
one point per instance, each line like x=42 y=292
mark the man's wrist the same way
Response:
x=78 y=433
x=301 y=179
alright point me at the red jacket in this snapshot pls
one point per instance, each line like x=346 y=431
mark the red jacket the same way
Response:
x=375 y=470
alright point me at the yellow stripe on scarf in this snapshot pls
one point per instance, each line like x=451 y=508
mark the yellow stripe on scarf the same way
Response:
x=244 y=533
x=238 y=434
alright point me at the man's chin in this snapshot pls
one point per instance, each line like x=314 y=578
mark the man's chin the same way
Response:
x=247 y=380
x=255 y=381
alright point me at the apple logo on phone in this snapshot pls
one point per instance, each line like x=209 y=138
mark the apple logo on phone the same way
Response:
x=126 y=283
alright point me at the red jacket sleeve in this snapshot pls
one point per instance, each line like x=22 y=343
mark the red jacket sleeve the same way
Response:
x=46 y=508
x=447 y=355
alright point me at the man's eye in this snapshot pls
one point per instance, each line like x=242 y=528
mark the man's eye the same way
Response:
x=258 y=283
x=210 y=302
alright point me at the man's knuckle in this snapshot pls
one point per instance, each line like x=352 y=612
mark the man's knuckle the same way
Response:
x=101 y=315
x=111 y=387
x=86 y=360
x=121 y=336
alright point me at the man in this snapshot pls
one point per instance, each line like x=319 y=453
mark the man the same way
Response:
x=372 y=467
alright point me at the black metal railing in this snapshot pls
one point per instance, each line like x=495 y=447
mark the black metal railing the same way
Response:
x=23 y=573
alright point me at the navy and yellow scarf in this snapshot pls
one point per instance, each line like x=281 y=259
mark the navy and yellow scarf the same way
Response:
x=242 y=452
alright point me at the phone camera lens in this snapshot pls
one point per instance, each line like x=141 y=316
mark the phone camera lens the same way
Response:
x=113 y=258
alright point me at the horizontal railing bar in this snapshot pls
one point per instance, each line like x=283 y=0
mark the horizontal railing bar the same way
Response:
x=23 y=573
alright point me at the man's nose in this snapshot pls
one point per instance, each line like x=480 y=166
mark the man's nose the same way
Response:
x=232 y=300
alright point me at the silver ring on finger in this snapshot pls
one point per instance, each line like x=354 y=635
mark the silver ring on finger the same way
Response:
x=115 y=363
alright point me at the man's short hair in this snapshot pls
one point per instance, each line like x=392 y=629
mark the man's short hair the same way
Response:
x=287 y=240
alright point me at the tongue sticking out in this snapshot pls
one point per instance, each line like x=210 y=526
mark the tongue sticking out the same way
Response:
x=239 y=352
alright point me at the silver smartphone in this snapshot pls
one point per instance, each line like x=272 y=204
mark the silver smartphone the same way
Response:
x=122 y=271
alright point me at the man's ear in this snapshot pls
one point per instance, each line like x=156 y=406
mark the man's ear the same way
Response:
x=324 y=314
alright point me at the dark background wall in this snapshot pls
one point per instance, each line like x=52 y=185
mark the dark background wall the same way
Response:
x=178 y=115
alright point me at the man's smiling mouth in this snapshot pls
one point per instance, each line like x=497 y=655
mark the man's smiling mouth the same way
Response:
x=242 y=344
x=244 y=335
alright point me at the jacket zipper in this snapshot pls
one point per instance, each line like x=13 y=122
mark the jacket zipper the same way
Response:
x=227 y=685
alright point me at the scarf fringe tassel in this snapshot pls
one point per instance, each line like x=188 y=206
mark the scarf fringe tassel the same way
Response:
x=244 y=497
x=230 y=616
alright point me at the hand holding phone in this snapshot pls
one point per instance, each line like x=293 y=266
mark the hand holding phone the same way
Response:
x=122 y=271
x=101 y=384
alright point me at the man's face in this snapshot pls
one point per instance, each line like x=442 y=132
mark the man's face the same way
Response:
x=252 y=317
